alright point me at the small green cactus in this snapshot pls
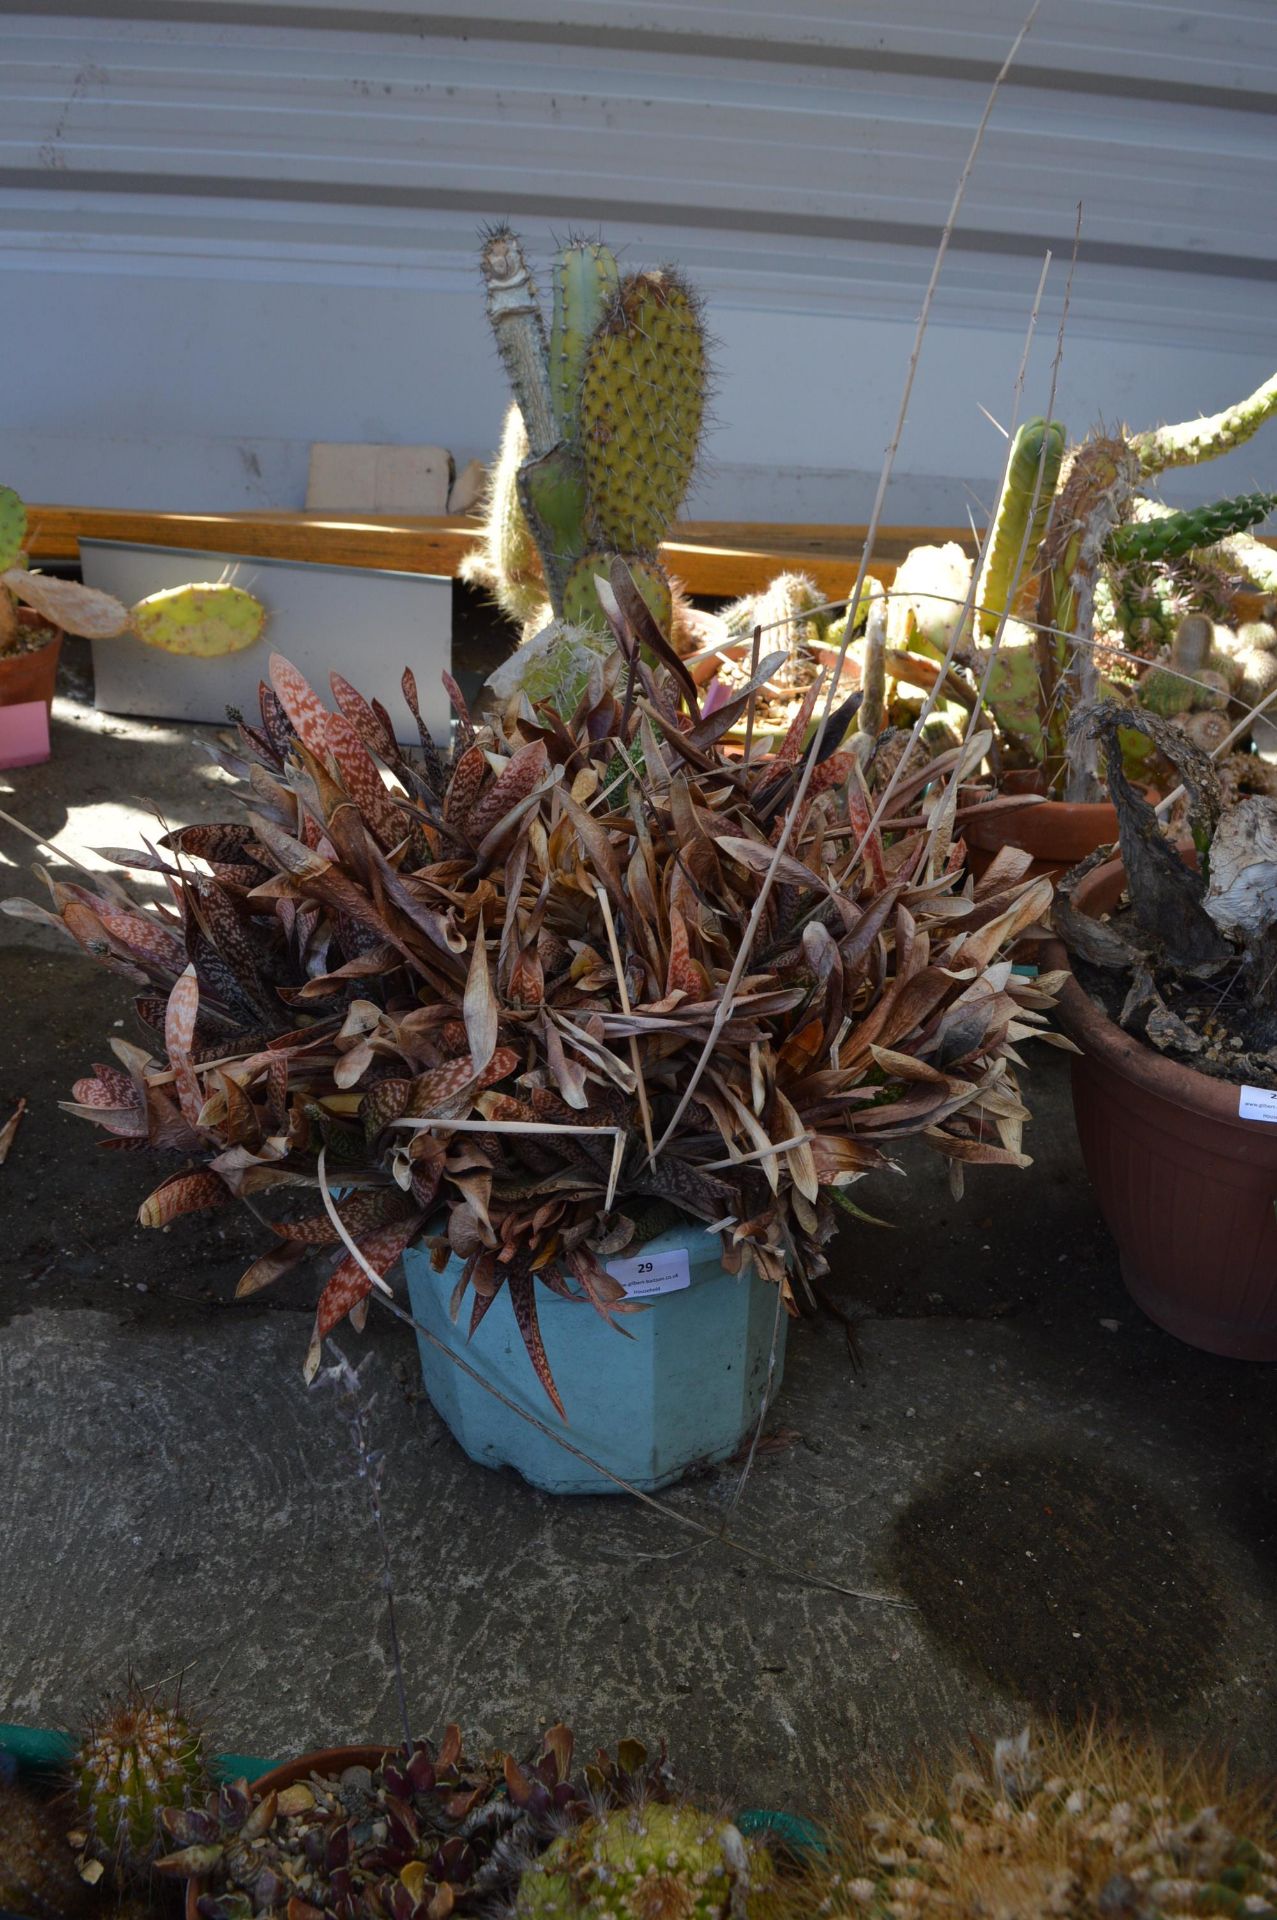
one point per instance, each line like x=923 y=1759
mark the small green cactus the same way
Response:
x=1020 y=520
x=507 y=561
x=139 y=1757
x=13 y=528
x=1182 y=532
x=643 y=1863
x=203 y=620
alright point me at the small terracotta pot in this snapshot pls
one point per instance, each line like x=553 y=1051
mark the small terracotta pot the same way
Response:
x=325 y=1760
x=1058 y=833
x=1186 y=1187
x=30 y=676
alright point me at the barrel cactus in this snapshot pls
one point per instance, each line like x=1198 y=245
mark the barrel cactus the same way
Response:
x=643 y=1863
x=138 y=1758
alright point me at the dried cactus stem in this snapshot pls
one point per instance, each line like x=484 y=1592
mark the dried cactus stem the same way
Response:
x=519 y=329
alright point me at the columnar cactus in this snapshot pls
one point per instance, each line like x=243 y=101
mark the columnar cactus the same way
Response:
x=612 y=403
x=1020 y=519
x=1193 y=441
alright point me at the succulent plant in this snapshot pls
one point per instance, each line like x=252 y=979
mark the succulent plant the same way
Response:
x=207 y=619
x=1048 y=1826
x=418 y=1837
x=1020 y=519
x=38 y=1874
x=500 y=938
x=646 y=1862
x=139 y=1759
x=609 y=406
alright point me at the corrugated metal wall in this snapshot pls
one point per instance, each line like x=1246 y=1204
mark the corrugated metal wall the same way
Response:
x=231 y=227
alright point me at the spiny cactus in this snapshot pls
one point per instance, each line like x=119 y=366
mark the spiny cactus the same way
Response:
x=68 y=606
x=1049 y=1826
x=642 y=399
x=1193 y=441
x=1185 y=531
x=13 y=528
x=644 y=1863
x=139 y=1757
x=205 y=620
x=1191 y=679
x=1020 y=519
x=507 y=562
x=38 y=1876
x=612 y=404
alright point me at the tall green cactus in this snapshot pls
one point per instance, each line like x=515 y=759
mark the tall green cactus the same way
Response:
x=618 y=391
x=1032 y=474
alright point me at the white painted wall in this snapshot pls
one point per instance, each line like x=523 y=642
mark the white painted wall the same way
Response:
x=231 y=227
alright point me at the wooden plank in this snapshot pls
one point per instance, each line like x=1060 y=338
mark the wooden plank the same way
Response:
x=709 y=557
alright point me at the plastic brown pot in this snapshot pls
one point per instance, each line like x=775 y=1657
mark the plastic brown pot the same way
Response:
x=325 y=1761
x=30 y=676
x=1187 y=1187
x=1058 y=833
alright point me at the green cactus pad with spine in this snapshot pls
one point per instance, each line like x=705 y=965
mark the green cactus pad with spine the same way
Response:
x=581 y=596
x=587 y=281
x=642 y=403
x=1019 y=523
x=1181 y=532
x=649 y=1863
x=138 y=1758
x=205 y=620
x=13 y=528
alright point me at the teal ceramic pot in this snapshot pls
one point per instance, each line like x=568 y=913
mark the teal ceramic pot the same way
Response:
x=683 y=1391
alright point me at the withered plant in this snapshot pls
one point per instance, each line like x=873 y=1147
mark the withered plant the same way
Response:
x=497 y=1002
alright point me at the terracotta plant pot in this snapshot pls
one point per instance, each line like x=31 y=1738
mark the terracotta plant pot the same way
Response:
x=326 y=1760
x=1058 y=833
x=30 y=676
x=1186 y=1187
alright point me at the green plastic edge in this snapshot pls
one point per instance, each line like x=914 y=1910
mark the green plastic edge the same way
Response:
x=42 y=1750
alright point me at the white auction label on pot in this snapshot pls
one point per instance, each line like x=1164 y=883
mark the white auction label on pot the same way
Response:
x=653 y=1273
x=1257 y=1103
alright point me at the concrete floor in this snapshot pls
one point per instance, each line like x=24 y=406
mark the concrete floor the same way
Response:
x=1078 y=1509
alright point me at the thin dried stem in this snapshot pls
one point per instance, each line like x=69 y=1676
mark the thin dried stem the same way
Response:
x=623 y=994
x=723 y=1011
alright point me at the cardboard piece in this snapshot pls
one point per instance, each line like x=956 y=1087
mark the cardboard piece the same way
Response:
x=351 y=477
